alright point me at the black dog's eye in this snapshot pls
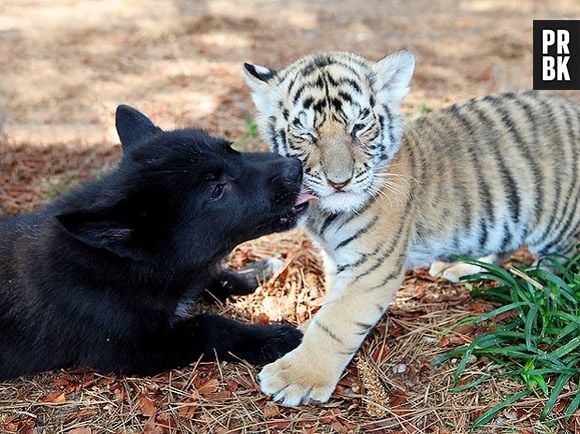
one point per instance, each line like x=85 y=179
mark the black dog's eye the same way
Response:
x=355 y=129
x=217 y=191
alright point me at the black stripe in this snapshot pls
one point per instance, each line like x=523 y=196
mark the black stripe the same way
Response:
x=554 y=219
x=315 y=64
x=291 y=84
x=365 y=328
x=507 y=237
x=345 y=96
x=458 y=184
x=484 y=193
x=307 y=102
x=538 y=176
x=536 y=169
x=389 y=124
x=573 y=136
x=273 y=136
x=570 y=209
x=357 y=213
x=349 y=68
x=393 y=274
x=348 y=352
x=361 y=231
x=282 y=136
x=393 y=245
x=319 y=106
x=327 y=331
x=350 y=82
x=483 y=235
x=563 y=232
x=327 y=222
x=511 y=193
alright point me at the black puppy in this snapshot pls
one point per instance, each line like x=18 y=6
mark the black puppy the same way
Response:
x=99 y=278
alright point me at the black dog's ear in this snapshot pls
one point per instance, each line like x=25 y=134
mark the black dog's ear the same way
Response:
x=103 y=228
x=133 y=126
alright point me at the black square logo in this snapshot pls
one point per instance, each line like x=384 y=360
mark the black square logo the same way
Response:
x=557 y=54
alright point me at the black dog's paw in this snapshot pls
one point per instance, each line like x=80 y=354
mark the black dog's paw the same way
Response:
x=258 y=271
x=244 y=281
x=272 y=342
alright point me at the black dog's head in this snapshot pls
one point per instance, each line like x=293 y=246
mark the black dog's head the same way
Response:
x=183 y=194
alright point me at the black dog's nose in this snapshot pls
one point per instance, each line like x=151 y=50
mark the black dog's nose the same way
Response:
x=292 y=171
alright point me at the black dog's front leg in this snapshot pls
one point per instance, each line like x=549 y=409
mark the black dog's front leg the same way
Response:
x=212 y=335
x=241 y=282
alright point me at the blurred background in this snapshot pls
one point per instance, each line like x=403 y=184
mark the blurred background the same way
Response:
x=65 y=65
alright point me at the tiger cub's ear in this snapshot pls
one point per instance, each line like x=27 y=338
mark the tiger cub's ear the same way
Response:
x=394 y=74
x=259 y=78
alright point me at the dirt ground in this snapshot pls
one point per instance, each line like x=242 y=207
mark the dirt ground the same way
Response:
x=64 y=68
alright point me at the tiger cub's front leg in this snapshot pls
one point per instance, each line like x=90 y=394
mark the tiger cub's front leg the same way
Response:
x=360 y=294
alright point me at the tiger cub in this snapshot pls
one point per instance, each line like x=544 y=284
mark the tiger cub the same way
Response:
x=475 y=179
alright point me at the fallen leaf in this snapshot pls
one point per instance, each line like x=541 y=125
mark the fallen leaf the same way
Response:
x=209 y=386
x=338 y=427
x=282 y=424
x=147 y=405
x=477 y=306
x=271 y=410
x=187 y=410
x=57 y=397
x=232 y=386
x=561 y=405
x=63 y=380
x=151 y=427
x=380 y=354
x=464 y=329
x=330 y=415
x=398 y=398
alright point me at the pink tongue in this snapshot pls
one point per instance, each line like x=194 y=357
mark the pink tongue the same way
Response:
x=304 y=196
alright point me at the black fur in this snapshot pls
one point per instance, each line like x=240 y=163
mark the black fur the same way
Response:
x=95 y=279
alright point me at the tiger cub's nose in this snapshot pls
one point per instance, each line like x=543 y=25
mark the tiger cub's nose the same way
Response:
x=338 y=186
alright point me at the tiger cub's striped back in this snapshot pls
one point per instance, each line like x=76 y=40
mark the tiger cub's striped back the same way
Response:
x=502 y=171
x=478 y=178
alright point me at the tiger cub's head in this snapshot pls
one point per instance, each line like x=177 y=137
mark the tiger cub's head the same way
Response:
x=339 y=114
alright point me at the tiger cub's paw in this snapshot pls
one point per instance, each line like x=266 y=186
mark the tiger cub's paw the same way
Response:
x=454 y=271
x=295 y=379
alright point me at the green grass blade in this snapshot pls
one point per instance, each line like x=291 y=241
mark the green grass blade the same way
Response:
x=489 y=414
x=565 y=349
x=529 y=324
x=570 y=328
x=543 y=371
x=558 y=385
x=477 y=382
x=538 y=343
x=571 y=409
x=500 y=310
